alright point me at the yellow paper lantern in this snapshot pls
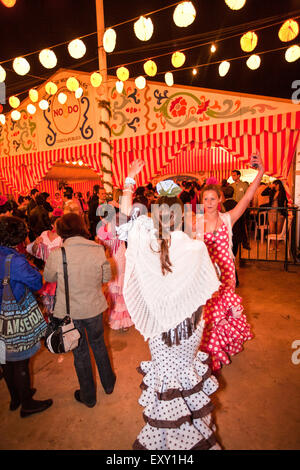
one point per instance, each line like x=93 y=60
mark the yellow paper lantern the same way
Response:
x=122 y=74
x=33 y=95
x=2 y=119
x=235 y=4
x=48 y=58
x=72 y=84
x=143 y=28
x=184 y=14
x=140 y=82
x=9 y=3
x=31 y=109
x=169 y=79
x=96 y=79
x=119 y=86
x=288 y=31
x=249 y=41
x=150 y=68
x=178 y=59
x=2 y=74
x=109 y=40
x=14 y=101
x=15 y=115
x=292 y=53
x=223 y=68
x=62 y=98
x=51 y=88
x=21 y=66
x=78 y=93
x=253 y=62
x=43 y=104
x=77 y=49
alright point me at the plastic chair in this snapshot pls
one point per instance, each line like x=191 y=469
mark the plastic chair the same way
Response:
x=262 y=227
x=280 y=236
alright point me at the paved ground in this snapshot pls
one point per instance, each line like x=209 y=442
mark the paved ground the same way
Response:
x=257 y=404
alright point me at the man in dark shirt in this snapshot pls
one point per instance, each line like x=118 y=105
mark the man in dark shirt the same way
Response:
x=38 y=219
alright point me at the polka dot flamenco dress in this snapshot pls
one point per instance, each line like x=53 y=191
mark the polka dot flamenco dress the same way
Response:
x=226 y=328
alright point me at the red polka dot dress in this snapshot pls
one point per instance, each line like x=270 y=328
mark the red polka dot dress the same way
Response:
x=226 y=327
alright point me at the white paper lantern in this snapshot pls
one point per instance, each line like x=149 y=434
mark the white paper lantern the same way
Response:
x=48 y=58
x=62 y=98
x=223 y=68
x=51 y=88
x=43 y=104
x=77 y=49
x=235 y=4
x=119 y=86
x=143 y=28
x=96 y=79
x=184 y=14
x=15 y=115
x=33 y=95
x=78 y=93
x=150 y=68
x=2 y=119
x=14 y=101
x=31 y=109
x=72 y=84
x=292 y=53
x=109 y=40
x=140 y=82
x=178 y=59
x=21 y=66
x=169 y=79
x=253 y=62
x=2 y=74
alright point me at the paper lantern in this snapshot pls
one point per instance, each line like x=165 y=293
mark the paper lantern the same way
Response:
x=72 y=84
x=21 y=66
x=31 y=109
x=15 y=115
x=2 y=119
x=184 y=14
x=43 y=104
x=249 y=41
x=122 y=74
x=288 y=31
x=33 y=95
x=14 y=101
x=77 y=49
x=48 y=58
x=62 y=98
x=96 y=79
x=150 y=68
x=2 y=74
x=235 y=4
x=292 y=53
x=78 y=93
x=253 y=62
x=51 y=88
x=143 y=28
x=223 y=68
x=119 y=86
x=178 y=59
x=140 y=82
x=9 y=3
x=109 y=40
x=169 y=79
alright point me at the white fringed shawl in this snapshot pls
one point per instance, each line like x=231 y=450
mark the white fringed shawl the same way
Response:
x=157 y=303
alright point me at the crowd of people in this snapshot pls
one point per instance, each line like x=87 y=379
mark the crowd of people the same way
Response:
x=127 y=255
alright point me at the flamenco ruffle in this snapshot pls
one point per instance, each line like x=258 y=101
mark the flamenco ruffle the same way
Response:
x=119 y=320
x=177 y=408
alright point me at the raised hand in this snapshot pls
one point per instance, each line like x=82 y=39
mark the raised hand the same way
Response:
x=135 y=168
x=256 y=161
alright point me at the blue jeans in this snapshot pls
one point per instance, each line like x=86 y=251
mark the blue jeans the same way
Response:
x=82 y=360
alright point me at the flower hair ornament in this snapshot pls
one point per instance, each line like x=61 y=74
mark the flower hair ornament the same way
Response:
x=3 y=200
x=168 y=189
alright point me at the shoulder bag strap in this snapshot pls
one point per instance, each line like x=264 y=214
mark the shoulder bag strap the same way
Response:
x=66 y=279
x=7 y=269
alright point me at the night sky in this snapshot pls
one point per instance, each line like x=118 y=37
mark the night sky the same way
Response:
x=36 y=24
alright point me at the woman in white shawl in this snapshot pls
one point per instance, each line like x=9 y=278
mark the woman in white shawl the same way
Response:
x=168 y=278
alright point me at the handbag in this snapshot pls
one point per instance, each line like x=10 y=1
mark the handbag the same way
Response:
x=22 y=323
x=61 y=335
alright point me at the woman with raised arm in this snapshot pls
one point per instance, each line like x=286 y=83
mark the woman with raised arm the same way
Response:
x=168 y=277
x=226 y=328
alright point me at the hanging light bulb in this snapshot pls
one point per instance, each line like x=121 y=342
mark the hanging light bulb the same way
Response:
x=51 y=88
x=33 y=95
x=96 y=79
x=2 y=74
x=119 y=86
x=78 y=93
x=140 y=82
x=14 y=101
x=194 y=72
x=15 y=115
x=48 y=58
x=80 y=162
x=76 y=48
x=184 y=14
x=72 y=84
x=169 y=79
x=253 y=62
x=292 y=53
x=21 y=66
x=62 y=98
x=150 y=68
x=235 y=4
x=43 y=104
x=223 y=68
x=2 y=119
x=178 y=59
x=288 y=31
x=143 y=28
x=213 y=48
x=74 y=163
x=122 y=74
x=109 y=40
x=31 y=109
x=249 y=41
